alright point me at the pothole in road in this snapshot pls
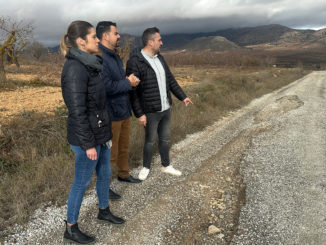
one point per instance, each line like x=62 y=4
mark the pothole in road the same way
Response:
x=279 y=107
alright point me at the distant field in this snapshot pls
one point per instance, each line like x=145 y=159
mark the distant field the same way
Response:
x=253 y=56
x=307 y=58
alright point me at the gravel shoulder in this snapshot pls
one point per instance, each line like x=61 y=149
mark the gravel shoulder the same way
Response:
x=263 y=163
x=284 y=171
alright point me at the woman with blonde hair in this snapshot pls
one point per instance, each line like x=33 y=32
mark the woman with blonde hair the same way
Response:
x=88 y=126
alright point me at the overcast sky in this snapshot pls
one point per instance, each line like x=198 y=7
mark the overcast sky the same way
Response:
x=52 y=17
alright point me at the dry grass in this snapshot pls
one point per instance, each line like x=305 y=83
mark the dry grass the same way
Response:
x=215 y=92
x=255 y=56
x=36 y=163
x=34 y=159
x=234 y=58
x=31 y=73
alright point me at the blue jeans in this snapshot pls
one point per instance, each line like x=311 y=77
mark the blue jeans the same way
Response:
x=158 y=123
x=84 y=168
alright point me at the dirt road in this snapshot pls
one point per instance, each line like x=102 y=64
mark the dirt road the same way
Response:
x=285 y=170
x=255 y=177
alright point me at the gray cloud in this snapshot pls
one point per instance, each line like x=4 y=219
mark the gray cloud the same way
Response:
x=51 y=18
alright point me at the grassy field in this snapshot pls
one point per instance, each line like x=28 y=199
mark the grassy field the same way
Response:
x=36 y=163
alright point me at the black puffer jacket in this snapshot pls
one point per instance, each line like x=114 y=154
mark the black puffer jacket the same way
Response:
x=145 y=98
x=84 y=94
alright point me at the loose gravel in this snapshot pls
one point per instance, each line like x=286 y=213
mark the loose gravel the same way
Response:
x=285 y=172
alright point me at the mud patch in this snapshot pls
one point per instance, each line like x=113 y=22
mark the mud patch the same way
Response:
x=279 y=107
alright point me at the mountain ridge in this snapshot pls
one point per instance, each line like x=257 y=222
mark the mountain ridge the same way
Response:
x=273 y=34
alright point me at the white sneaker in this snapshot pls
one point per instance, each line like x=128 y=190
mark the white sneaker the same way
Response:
x=143 y=173
x=171 y=170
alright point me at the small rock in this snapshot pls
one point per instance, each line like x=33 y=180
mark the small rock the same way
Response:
x=212 y=229
x=221 y=206
x=219 y=195
x=220 y=236
x=228 y=197
x=214 y=202
x=202 y=187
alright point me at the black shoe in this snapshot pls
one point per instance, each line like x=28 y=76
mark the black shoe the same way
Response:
x=113 y=195
x=129 y=179
x=106 y=215
x=73 y=234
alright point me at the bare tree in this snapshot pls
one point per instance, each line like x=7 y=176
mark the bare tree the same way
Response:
x=36 y=49
x=14 y=36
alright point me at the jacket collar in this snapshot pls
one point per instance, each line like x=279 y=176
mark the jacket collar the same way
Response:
x=143 y=59
x=137 y=52
x=92 y=62
x=106 y=50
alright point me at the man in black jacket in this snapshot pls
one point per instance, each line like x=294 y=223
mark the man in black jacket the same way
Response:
x=117 y=87
x=151 y=99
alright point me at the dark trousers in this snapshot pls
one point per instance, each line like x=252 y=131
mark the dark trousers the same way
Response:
x=158 y=123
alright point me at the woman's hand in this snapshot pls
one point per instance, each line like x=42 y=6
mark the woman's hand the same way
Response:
x=91 y=153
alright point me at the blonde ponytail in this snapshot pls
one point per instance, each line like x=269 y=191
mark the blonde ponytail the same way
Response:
x=64 y=46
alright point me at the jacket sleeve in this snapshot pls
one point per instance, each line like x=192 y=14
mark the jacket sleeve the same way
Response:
x=173 y=84
x=113 y=87
x=74 y=90
x=135 y=99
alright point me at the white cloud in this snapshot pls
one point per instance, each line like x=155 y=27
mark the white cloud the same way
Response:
x=52 y=17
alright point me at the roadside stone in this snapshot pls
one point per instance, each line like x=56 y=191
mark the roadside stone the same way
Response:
x=219 y=195
x=214 y=202
x=212 y=229
x=203 y=187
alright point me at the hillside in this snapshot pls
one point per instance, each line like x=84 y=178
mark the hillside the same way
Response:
x=254 y=35
x=276 y=35
x=285 y=46
x=215 y=43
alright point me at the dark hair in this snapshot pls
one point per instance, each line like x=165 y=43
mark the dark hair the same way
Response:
x=148 y=34
x=75 y=30
x=102 y=27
